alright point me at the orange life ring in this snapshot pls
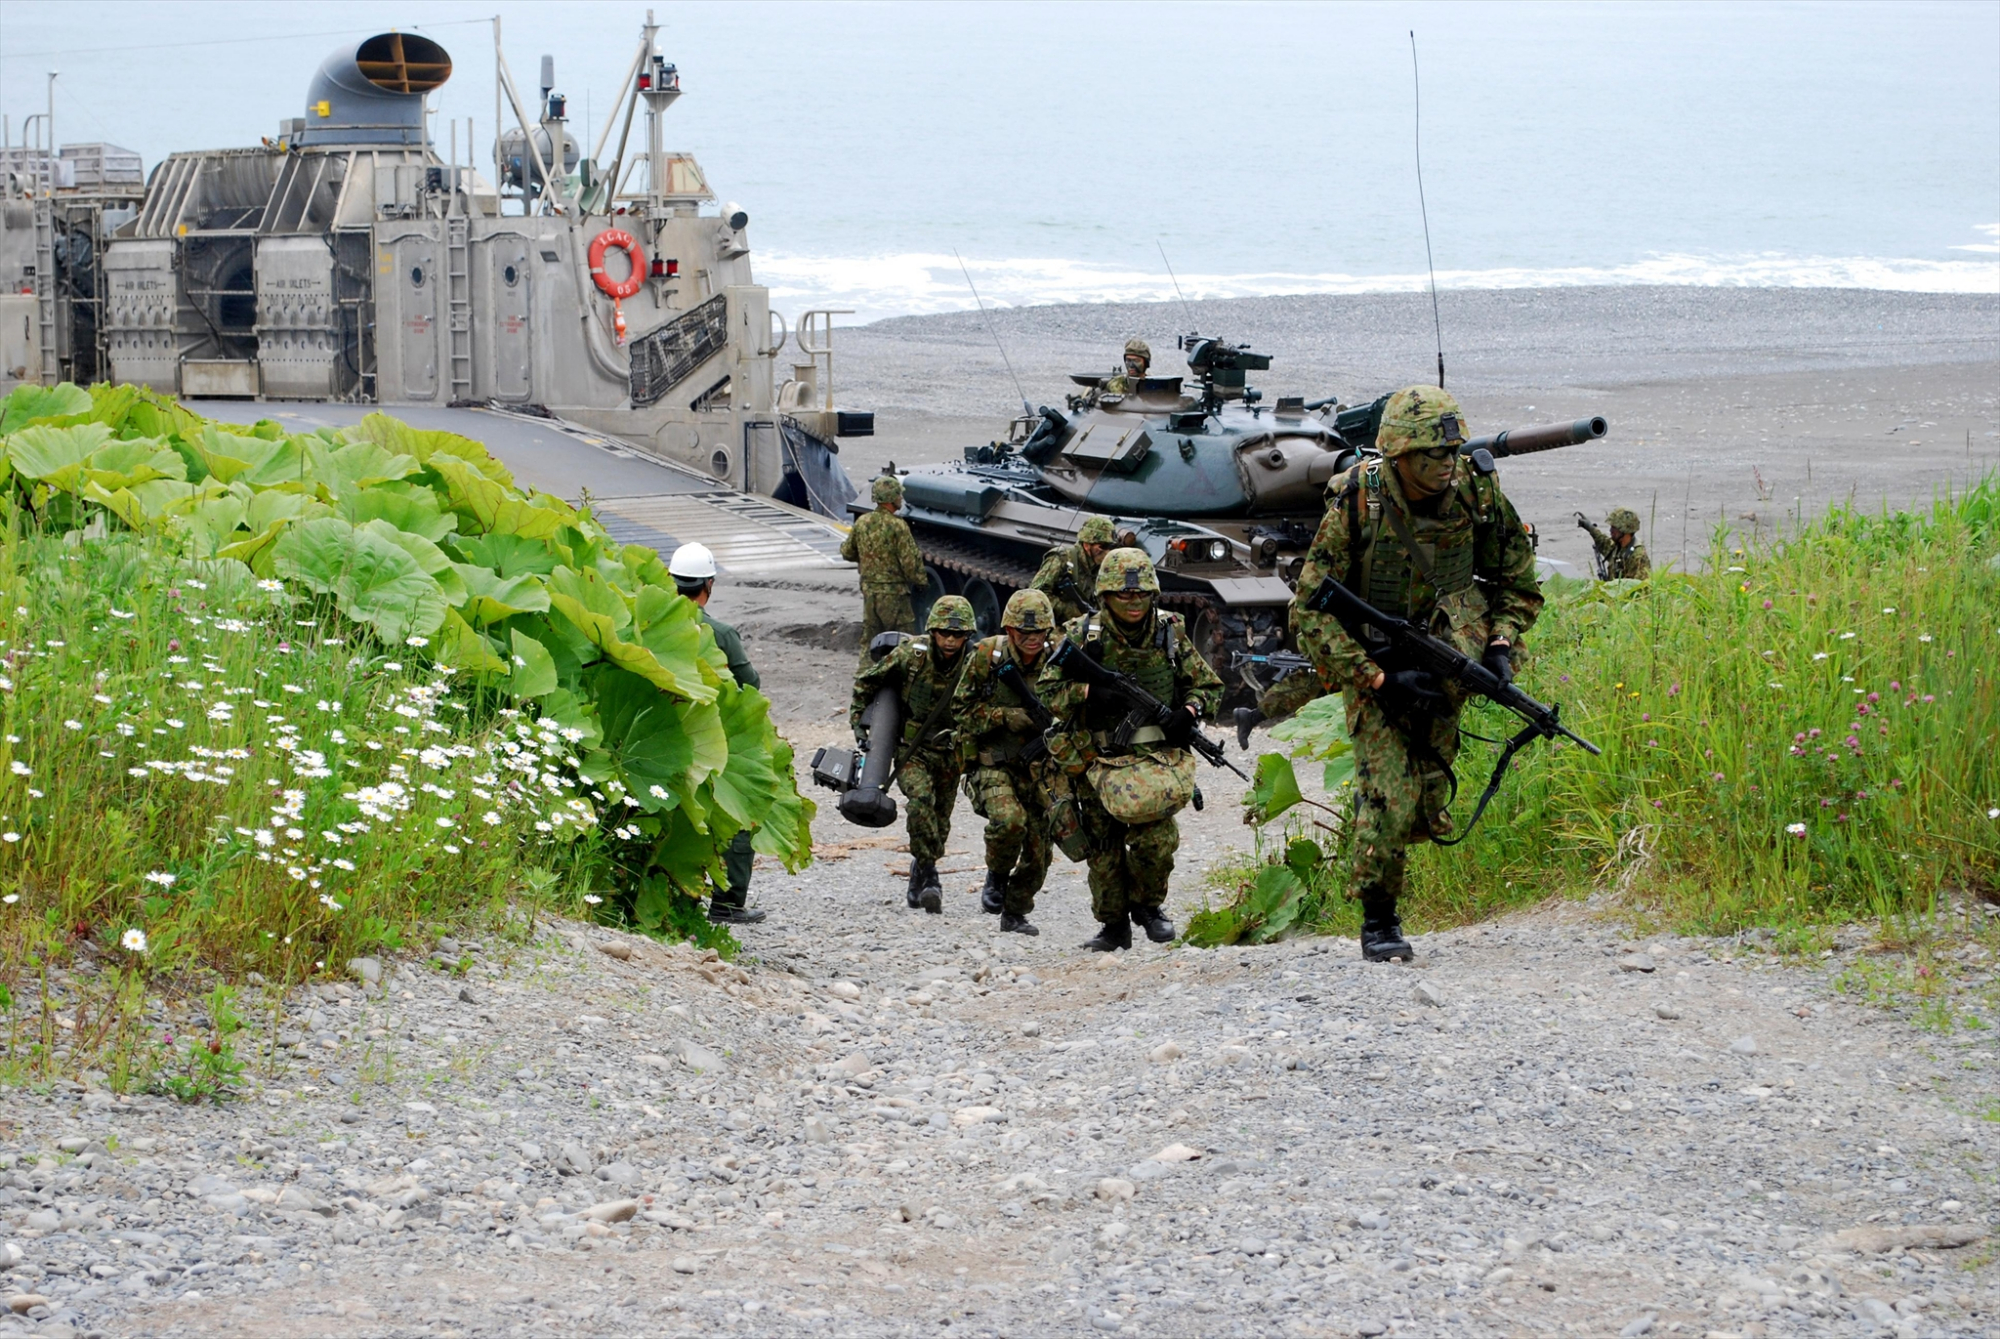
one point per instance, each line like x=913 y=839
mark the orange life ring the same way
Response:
x=617 y=289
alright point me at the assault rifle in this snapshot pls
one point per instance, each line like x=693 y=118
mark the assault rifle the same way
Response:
x=1284 y=664
x=1010 y=674
x=1396 y=644
x=1144 y=709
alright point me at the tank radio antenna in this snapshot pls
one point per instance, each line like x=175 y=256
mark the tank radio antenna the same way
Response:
x=1186 y=310
x=1025 y=407
x=1417 y=124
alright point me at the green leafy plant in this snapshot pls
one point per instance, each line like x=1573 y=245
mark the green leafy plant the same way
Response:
x=206 y=1068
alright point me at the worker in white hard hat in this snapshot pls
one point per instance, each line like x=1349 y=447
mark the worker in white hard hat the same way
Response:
x=693 y=570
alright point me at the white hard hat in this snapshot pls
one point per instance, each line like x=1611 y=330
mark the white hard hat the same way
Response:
x=692 y=562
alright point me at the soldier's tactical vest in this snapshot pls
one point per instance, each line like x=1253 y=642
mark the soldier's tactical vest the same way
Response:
x=1386 y=574
x=997 y=747
x=927 y=695
x=1152 y=662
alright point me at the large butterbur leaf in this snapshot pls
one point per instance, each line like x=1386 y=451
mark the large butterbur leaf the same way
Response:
x=534 y=668
x=56 y=456
x=460 y=646
x=645 y=744
x=509 y=555
x=491 y=597
x=426 y=445
x=24 y=404
x=747 y=785
x=372 y=580
x=495 y=508
x=411 y=509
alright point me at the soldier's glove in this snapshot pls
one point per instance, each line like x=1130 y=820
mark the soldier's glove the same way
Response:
x=1179 y=729
x=1498 y=658
x=1017 y=719
x=1582 y=521
x=1416 y=689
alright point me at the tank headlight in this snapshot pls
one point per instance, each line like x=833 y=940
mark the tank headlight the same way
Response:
x=1218 y=550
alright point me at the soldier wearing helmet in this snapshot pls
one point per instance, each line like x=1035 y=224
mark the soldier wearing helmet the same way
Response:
x=1619 y=555
x=1132 y=785
x=1138 y=358
x=891 y=567
x=998 y=743
x=1069 y=571
x=1421 y=534
x=924 y=672
x=692 y=567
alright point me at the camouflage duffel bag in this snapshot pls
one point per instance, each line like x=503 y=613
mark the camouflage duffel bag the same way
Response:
x=1144 y=787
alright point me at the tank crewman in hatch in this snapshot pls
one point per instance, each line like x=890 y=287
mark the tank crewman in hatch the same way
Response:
x=1128 y=795
x=693 y=570
x=1138 y=357
x=925 y=672
x=994 y=729
x=881 y=545
x=1423 y=535
x=1619 y=554
x=1069 y=572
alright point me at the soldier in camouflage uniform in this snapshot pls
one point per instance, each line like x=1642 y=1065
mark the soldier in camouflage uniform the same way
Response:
x=1619 y=554
x=1138 y=358
x=1069 y=572
x=1131 y=859
x=925 y=673
x=1422 y=534
x=994 y=729
x=891 y=567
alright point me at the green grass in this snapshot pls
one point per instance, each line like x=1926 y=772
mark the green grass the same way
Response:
x=1801 y=734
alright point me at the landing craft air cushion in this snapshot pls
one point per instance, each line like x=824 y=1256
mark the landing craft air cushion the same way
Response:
x=346 y=261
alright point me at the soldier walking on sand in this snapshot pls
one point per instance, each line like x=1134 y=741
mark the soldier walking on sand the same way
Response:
x=1128 y=795
x=881 y=545
x=995 y=730
x=693 y=570
x=1423 y=535
x=1138 y=358
x=1070 y=571
x=1619 y=554
x=924 y=671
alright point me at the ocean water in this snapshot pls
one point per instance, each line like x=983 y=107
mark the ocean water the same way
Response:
x=1058 y=150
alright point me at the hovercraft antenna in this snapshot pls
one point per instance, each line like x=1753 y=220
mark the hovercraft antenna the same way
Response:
x=1026 y=408
x=1186 y=310
x=1417 y=125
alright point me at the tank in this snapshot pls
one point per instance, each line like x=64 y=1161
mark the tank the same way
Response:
x=1222 y=490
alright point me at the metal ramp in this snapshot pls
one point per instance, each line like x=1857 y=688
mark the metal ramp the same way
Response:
x=640 y=498
x=750 y=536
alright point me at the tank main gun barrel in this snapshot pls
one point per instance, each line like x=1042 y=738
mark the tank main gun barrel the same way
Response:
x=1541 y=437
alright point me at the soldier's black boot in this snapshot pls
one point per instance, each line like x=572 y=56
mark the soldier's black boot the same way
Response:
x=1381 y=930
x=1111 y=938
x=991 y=899
x=1016 y=925
x=1247 y=719
x=723 y=910
x=914 y=895
x=1153 y=920
x=930 y=895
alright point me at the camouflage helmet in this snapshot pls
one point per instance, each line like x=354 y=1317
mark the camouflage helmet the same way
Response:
x=1097 y=530
x=1623 y=518
x=887 y=489
x=1419 y=418
x=1029 y=611
x=951 y=613
x=1125 y=570
x=1137 y=348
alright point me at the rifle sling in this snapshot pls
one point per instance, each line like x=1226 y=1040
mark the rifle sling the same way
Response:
x=1514 y=745
x=939 y=709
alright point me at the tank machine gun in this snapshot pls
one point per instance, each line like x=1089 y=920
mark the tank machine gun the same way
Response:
x=349 y=258
x=1223 y=490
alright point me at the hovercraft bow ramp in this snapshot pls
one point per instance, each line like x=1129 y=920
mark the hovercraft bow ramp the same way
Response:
x=640 y=498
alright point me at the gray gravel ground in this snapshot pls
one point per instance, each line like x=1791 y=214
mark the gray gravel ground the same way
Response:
x=885 y=1123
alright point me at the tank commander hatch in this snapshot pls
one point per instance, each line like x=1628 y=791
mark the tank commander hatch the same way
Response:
x=1138 y=358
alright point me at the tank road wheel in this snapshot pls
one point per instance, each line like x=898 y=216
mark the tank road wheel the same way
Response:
x=922 y=600
x=986 y=604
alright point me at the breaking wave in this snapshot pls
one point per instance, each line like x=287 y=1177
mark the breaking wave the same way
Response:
x=919 y=283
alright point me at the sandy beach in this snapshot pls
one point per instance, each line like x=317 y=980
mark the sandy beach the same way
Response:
x=1739 y=405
